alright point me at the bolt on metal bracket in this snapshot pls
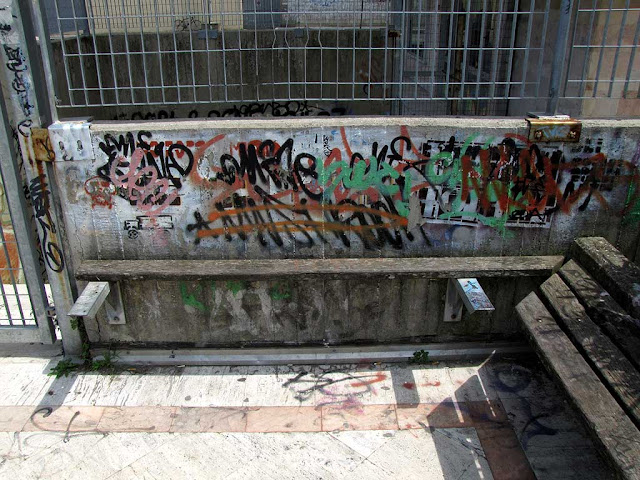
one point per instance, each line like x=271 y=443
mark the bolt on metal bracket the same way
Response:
x=554 y=128
x=465 y=292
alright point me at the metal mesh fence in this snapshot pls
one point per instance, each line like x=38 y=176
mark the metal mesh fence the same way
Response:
x=15 y=303
x=385 y=56
x=603 y=60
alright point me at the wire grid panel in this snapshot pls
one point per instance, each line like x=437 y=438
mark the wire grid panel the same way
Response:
x=15 y=303
x=603 y=60
x=146 y=52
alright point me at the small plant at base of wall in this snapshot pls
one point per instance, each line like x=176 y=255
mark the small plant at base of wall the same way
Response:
x=105 y=364
x=63 y=368
x=420 y=357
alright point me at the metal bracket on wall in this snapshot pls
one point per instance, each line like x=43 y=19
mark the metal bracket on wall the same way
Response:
x=42 y=147
x=71 y=139
x=94 y=296
x=465 y=292
x=554 y=128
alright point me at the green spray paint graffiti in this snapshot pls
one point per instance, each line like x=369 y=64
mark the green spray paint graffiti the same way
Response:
x=236 y=286
x=190 y=300
x=280 y=291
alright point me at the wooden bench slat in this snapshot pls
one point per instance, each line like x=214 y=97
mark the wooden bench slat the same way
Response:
x=623 y=329
x=616 y=369
x=619 y=276
x=438 y=267
x=614 y=430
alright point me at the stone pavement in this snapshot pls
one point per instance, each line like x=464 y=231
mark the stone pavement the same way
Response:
x=499 y=418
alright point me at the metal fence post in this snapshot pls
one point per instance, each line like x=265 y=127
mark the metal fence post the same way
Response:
x=25 y=105
x=22 y=229
x=559 y=55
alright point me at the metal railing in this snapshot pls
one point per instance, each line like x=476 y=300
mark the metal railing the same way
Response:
x=603 y=59
x=15 y=304
x=378 y=56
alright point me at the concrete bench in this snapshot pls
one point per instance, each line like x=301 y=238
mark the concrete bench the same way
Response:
x=584 y=323
x=463 y=288
x=438 y=267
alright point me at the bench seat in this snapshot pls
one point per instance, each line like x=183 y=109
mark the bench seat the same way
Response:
x=438 y=267
x=591 y=344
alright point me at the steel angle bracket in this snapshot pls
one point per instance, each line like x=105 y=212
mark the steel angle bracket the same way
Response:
x=94 y=296
x=465 y=292
x=71 y=139
x=555 y=128
x=42 y=146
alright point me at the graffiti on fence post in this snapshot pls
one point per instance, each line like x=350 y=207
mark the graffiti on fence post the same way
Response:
x=39 y=194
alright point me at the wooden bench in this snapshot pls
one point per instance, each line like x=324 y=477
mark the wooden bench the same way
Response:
x=584 y=323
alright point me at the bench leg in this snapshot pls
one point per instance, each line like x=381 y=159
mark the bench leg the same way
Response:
x=453 y=303
x=465 y=292
x=97 y=294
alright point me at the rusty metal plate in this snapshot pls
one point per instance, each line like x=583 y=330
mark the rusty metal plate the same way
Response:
x=554 y=130
x=42 y=147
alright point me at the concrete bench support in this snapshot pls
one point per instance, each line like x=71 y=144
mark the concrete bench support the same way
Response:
x=200 y=303
x=94 y=296
x=465 y=292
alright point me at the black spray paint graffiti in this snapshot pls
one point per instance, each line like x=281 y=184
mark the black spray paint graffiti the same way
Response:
x=338 y=386
x=146 y=172
x=39 y=194
x=16 y=63
x=276 y=109
x=170 y=160
x=386 y=193
x=270 y=109
x=367 y=198
x=159 y=115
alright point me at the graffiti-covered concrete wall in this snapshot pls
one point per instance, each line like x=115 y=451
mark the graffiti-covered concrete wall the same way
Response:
x=331 y=188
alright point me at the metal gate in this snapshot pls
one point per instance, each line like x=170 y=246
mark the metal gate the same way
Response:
x=24 y=304
x=32 y=264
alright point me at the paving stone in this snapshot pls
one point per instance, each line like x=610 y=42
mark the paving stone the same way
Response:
x=488 y=412
x=214 y=419
x=64 y=418
x=519 y=379
x=364 y=442
x=504 y=453
x=440 y=415
x=569 y=464
x=433 y=453
x=12 y=419
x=299 y=455
x=469 y=385
x=433 y=384
x=363 y=417
x=284 y=419
x=136 y=419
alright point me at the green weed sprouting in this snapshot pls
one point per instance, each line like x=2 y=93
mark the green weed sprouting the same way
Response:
x=420 y=357
x=63 y=368
x=105 y=364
